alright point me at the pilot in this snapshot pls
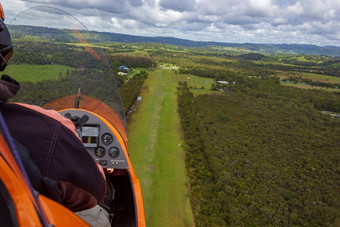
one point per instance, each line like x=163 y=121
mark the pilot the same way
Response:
x=68 y=174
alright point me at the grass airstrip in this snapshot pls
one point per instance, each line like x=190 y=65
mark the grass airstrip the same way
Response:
x=155 y=145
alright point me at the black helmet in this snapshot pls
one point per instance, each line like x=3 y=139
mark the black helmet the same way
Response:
x=6 y=48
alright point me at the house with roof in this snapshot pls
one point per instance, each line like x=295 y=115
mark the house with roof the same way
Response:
x=123 y=67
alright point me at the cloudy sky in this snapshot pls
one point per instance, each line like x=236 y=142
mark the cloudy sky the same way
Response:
x=256 y=21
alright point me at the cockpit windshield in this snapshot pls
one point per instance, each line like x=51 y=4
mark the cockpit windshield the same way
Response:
x=60 y=65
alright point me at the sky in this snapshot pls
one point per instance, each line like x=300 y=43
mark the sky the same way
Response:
x=233 y=21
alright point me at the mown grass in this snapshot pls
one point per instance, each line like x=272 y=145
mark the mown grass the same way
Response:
x=321 y=78
x=306 y=86
x=197 y=85
x=155 y=146
x=35 y=73
x=194 y=82
x=313 y=77
x=274 y=63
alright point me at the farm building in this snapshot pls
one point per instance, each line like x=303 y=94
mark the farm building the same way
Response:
x=123 y=67
x=122 y=74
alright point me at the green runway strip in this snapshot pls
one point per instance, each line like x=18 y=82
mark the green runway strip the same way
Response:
x=156 y=153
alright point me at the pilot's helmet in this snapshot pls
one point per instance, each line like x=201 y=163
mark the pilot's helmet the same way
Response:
x=6 y=48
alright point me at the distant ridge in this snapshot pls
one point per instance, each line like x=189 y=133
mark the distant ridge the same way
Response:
x=260 y=48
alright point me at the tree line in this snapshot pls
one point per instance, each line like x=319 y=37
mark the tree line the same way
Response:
x=131 y=89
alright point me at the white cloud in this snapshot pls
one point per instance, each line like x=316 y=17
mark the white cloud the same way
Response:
x=212 y=28
x=296 y=9
x=130 y=23
x=178 y=5
x=279 y=21
x=209 y=18
x=264 y=21
x=115 y=23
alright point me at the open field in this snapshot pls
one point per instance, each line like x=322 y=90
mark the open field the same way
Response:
x=31 y=38
x=321 y=78
x=155 y=146
x=167 y=66
x=197 y=85
x=306 y=86
x=274 y=63
x=194 y=81
x=313 y=77
x=35 y=73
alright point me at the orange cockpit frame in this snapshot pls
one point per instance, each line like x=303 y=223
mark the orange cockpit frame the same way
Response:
x=2 y=13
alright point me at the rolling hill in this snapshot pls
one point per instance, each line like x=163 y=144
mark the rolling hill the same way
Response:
x=123 y=38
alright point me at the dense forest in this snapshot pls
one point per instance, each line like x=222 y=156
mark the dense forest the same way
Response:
x=259 y=153
x=261 y=156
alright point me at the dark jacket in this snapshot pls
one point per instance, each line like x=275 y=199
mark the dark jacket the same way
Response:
x=58 y=152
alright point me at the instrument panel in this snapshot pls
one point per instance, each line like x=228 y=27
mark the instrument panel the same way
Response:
x=98 y=139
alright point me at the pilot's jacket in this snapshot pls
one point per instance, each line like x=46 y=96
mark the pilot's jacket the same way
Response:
x=56 y=149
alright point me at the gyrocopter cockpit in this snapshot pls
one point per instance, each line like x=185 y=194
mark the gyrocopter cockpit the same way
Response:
x=66 y=70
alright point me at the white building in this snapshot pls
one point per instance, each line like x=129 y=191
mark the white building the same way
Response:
x=122 y=74
x=223 y=82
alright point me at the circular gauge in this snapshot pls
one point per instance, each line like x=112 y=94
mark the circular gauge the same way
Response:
x=107 y=138
x=99 y=152
x=113 y=152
